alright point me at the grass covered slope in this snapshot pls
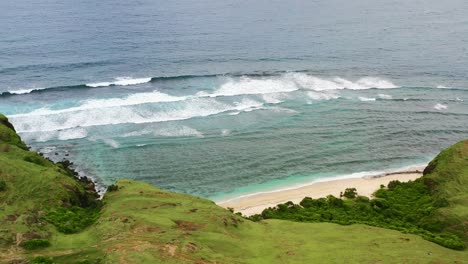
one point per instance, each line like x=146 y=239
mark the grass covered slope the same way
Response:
x=48 y=216
x=447 y=179
x=142 y=224
x=8 y=133
x=32 y=188
x=434 y=206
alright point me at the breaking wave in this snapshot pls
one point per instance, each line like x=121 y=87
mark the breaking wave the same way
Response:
x=88 y=115
x=236 y=84
x=120 y=81
x=440 y=107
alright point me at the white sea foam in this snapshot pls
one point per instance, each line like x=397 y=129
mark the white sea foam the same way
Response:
x=322 y=95
x=182 y=131
x=384 y=96
x=120 y=81
x=26 y=91
x=246 y=85
x=247 y=105
x=134 y=99
x=442 y=87
x=73 y=133
x=440 y=107
x=291 y=82
x=110 y=142
x=150 y=107
x=39 y=136
x=279 y=109
x=52 y=120
x=137 y=133
x=274 y=98
x=225 y=132
x=310 y=82
x=47 y=150
x=366 y=99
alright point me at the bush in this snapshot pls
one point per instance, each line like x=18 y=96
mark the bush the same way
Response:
x=34 y=159
x=449 y=241
x=362 y=199
x=2 y=185
x=72 y=220
x=407 y=207
x=350 y=193
x=334 y=202
x=35 y=244
x=255 y=217
x=441 y=202
x=393 y=184
x=112 y=188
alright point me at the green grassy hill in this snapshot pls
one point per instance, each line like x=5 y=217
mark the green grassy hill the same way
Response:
x=48 y=216
x=447 y=178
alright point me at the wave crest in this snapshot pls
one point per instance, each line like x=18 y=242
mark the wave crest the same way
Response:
x=291 y=82
x=45 y=119
x=440 y=107
x=120 y=81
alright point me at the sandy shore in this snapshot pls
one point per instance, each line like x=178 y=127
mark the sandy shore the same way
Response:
x=253 y=204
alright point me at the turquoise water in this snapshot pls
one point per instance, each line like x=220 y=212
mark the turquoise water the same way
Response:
x=226 y=99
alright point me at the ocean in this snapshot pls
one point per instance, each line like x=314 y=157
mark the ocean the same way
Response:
x=227 y=98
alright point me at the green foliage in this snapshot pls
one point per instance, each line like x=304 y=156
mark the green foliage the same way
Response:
x=8 y=134
x=35 y=159
x=112 y=188
x=350 y=193
x=394 y=184
x=362 y=199
x=72 y=220
x=3 y=185
x=35 y=244
x=406 y=207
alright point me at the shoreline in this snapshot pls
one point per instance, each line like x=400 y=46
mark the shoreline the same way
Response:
x=365 y=185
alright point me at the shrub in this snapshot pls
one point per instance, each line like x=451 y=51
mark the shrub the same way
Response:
x=379 y=203
x=405 y=206
x=2 y=185
x=441 y=202
x=362 y=199
x=393 y=184
x=333 y=201
x=350 y=193
x=307 y=202
x=34 y=159
x=255 y=217
x=112 y=188
x=449 y=241
x=35 y=244
x=72 y=220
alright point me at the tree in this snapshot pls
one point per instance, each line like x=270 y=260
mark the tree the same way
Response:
x=350 y=193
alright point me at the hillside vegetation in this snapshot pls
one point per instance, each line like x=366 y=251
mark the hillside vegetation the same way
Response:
x=434 y=206
x=48 y=216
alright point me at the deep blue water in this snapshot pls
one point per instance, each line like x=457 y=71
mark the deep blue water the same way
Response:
x=221 y=98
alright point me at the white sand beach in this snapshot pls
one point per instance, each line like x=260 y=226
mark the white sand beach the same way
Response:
x=366 y=186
